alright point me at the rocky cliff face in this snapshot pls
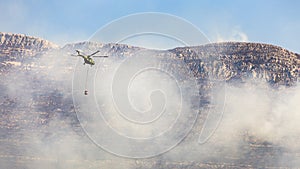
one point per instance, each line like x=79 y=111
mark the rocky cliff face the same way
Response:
x=16 y=45
x=38 y=121
x=240 y=60
x=231 y=61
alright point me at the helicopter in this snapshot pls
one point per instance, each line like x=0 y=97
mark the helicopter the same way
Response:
x=88 y=58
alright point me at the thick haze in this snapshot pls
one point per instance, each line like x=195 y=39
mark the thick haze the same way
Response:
x=252 y=111
x=268 y=21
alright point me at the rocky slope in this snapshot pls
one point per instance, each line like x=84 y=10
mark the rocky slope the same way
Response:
x=39 y=126
x=17 y=48
x=240 y=60
x=227 y=60
x=17 y=45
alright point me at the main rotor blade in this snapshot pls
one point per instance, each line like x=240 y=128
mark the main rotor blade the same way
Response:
x=101 y=56
x=79 y=52
x=94 y=53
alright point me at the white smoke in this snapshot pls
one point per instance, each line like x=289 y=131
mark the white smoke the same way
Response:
x=251 y=110
x=256 y=117
x=233 y=34
x=268 y=114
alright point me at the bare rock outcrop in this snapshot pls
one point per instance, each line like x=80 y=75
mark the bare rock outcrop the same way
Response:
x=18 y=45
x=33 y=104
x=241 y=60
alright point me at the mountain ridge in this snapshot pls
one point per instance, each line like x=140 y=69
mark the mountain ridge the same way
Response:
x=19 y=45
x=45 y=44
x=232 y=60
x=39 y=124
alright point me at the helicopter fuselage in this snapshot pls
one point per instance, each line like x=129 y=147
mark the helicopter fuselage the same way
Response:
x=88 y=60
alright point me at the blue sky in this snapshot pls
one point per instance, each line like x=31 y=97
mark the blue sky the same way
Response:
x=269 y=21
